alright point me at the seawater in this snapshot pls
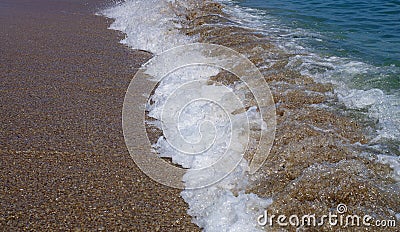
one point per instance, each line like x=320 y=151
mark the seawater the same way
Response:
x=353 y=44
x=332 y=42
x=367 y=31
x=152 y=26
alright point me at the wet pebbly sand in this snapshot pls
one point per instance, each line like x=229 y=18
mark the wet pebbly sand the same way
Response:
x=63 y=161
x=314 y=164
x=64 y=164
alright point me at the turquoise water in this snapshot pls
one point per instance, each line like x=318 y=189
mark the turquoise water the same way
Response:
x=360 y=30
x=353 y=44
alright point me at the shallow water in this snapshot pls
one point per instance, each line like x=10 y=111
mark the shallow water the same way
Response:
x=353 y=44
x=334 y=129
x=362 y=30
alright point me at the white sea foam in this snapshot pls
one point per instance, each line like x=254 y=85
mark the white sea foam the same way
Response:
x=393 y=162
x=149 y=25
x=343 y=73
x=152 y=25
x=382 y=107
x=223 y=206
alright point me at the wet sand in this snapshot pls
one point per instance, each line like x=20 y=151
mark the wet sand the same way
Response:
x=315 y=162
x=63 y=161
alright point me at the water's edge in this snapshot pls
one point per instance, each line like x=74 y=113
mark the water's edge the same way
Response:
x=326 y=149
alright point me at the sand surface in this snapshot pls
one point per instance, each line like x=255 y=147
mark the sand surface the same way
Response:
x=63 y=161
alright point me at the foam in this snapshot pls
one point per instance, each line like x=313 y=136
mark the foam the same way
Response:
x=384 y=108
x=224 y=204
x=393 y=162
x=149 y=25
x=152 y=25
x=225 y=211
x=381 y=106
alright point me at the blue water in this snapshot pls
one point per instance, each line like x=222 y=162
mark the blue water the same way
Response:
x=354 y=44
x=367 y=30
x=358 y=30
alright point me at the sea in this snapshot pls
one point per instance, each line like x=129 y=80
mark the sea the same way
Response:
x=346 y=52
x=353 y=44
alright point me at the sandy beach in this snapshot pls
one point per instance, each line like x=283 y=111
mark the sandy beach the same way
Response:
x=64 y=164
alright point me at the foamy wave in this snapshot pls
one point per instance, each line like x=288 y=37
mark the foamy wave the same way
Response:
x=150 y=25
x=153 y=26
x=393 y=162
x=223 y=204
x=381 y=107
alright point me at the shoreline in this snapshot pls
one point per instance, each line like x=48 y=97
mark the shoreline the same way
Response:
x=317 y=161
x=64 y=163
x=63 y=157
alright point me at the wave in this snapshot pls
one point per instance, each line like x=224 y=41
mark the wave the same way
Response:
x=321 y=156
